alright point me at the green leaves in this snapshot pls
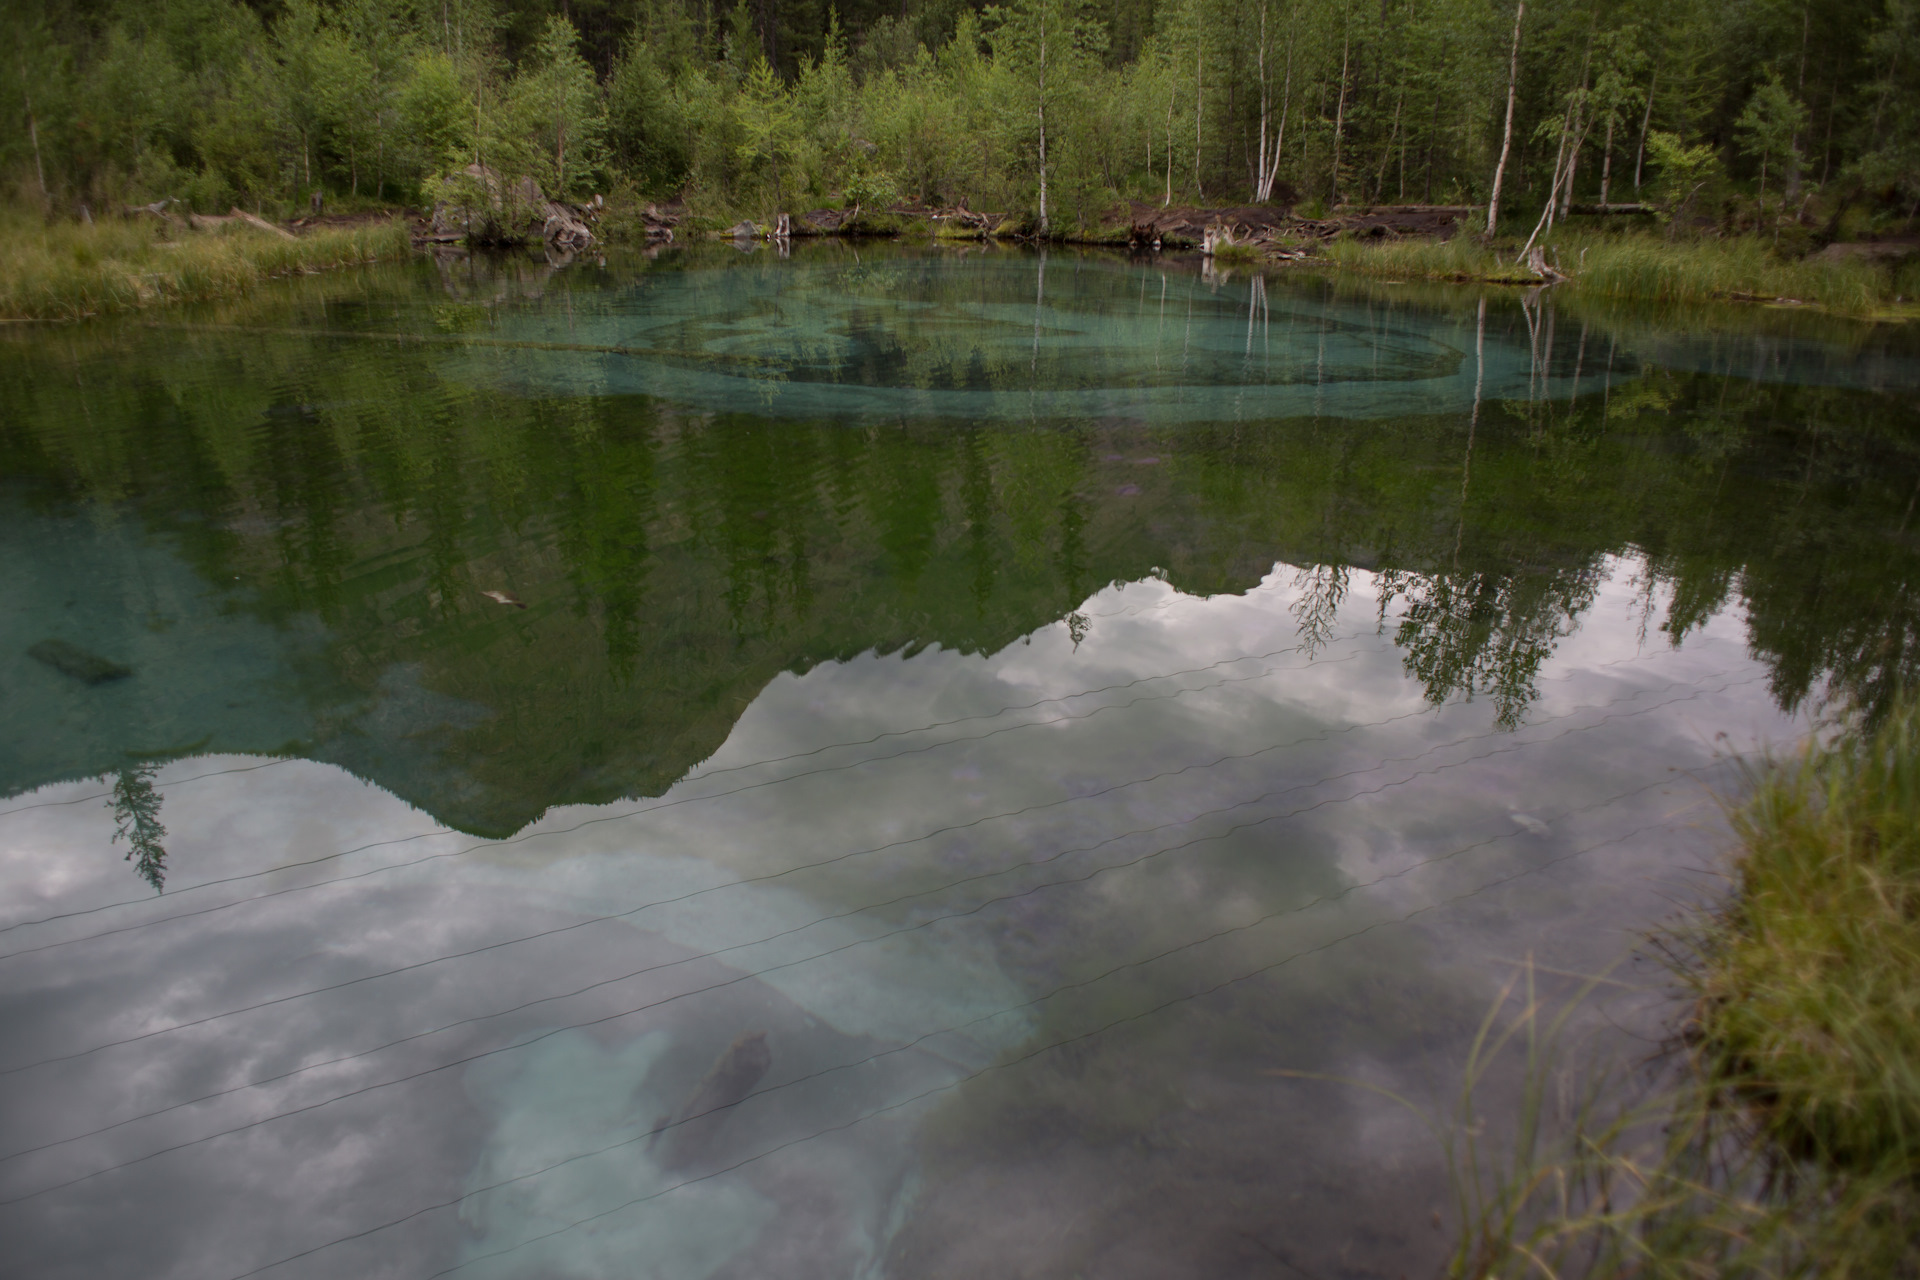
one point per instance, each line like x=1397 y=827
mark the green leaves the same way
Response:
x=1683 y=171
x=557 y=105
x=1769 y=125
x=1177 y=102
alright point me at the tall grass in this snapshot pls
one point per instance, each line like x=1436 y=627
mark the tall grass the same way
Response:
x=1461 y=258
x=1786 y=1141
x=71 y=270
x=1642 y=267
x=1809 y=983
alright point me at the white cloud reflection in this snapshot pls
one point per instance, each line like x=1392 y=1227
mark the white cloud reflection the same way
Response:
x=1207 y=868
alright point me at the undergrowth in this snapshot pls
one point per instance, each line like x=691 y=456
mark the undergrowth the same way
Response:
x=1780 y=1135
x=71 y=270
x=1641 y=267
x=1809 y=982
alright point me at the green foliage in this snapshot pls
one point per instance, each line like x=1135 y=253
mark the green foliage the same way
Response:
x=66 y=270
x=646 y=124
x=556 y=105
x=1769 y=125
x=1788 y=1142
x=1683 y=173
x=1644 y=267
x=136 y=819
x=743 y=106
x=1890 y=158
x=767 y=126
x=436 y=113
x=1810 y=987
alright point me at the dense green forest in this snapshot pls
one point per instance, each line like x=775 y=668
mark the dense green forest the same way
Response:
x=1048 y=109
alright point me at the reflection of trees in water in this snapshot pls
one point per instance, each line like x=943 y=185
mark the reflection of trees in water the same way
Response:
x=1819 y=641
x=1322 y=587
x=1479 y=633
x=676 y=559
x=136 y=817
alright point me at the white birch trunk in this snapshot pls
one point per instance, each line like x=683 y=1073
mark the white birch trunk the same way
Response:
x=1506 y=136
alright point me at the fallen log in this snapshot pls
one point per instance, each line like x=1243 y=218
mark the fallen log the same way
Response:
x=259 y=223
x=1606 y=210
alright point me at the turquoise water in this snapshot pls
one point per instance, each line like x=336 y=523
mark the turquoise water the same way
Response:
x=961 y=728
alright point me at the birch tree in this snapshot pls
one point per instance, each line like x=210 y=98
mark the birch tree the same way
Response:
x=1047 y=48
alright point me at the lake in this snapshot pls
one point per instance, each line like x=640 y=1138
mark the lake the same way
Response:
x=874 y=761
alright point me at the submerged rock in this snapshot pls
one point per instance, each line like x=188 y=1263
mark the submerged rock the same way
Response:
x=72 y=660
x=691 y=1130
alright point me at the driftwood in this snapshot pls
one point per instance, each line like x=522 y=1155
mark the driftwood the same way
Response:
x=1215 y=238
x=1318 y=228
x=215 y=221
x=258 y=223
x=1537 y=263
x=659 y=225
x=566 y=228
x=962 y=216
x=782 y=227
x=513 y=212
x=158 y=209
x=1866 y=250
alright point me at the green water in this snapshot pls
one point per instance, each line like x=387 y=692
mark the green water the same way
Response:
x=1022 y=705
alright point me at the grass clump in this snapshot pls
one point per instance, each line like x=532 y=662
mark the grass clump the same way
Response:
x=1237 y=254
x=1809 y=982
x=1460 y=258
x=1785 y=1140
x=1697 y=271
x=1641 y=266
x=67 y=271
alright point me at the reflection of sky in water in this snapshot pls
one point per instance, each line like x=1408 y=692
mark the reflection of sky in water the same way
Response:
x=1025 y=975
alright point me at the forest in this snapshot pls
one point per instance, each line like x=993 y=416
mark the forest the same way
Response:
x=1741 y=115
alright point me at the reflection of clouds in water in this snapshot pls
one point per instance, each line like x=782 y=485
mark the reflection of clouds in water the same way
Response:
x=1183 y=882
x=547 y=1104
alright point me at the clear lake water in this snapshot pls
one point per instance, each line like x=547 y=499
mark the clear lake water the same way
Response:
x=875 y=761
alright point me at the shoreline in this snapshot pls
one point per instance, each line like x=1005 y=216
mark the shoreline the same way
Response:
x=79 y=271
x=1784 y=1137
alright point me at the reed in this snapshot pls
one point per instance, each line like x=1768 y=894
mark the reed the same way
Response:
x=1461 y=258
x=1643 y=267
x=1809 y=979
x=66 y=271
x=1785 y=1140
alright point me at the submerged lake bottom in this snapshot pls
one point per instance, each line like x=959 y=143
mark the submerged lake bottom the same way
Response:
x=874 y=763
